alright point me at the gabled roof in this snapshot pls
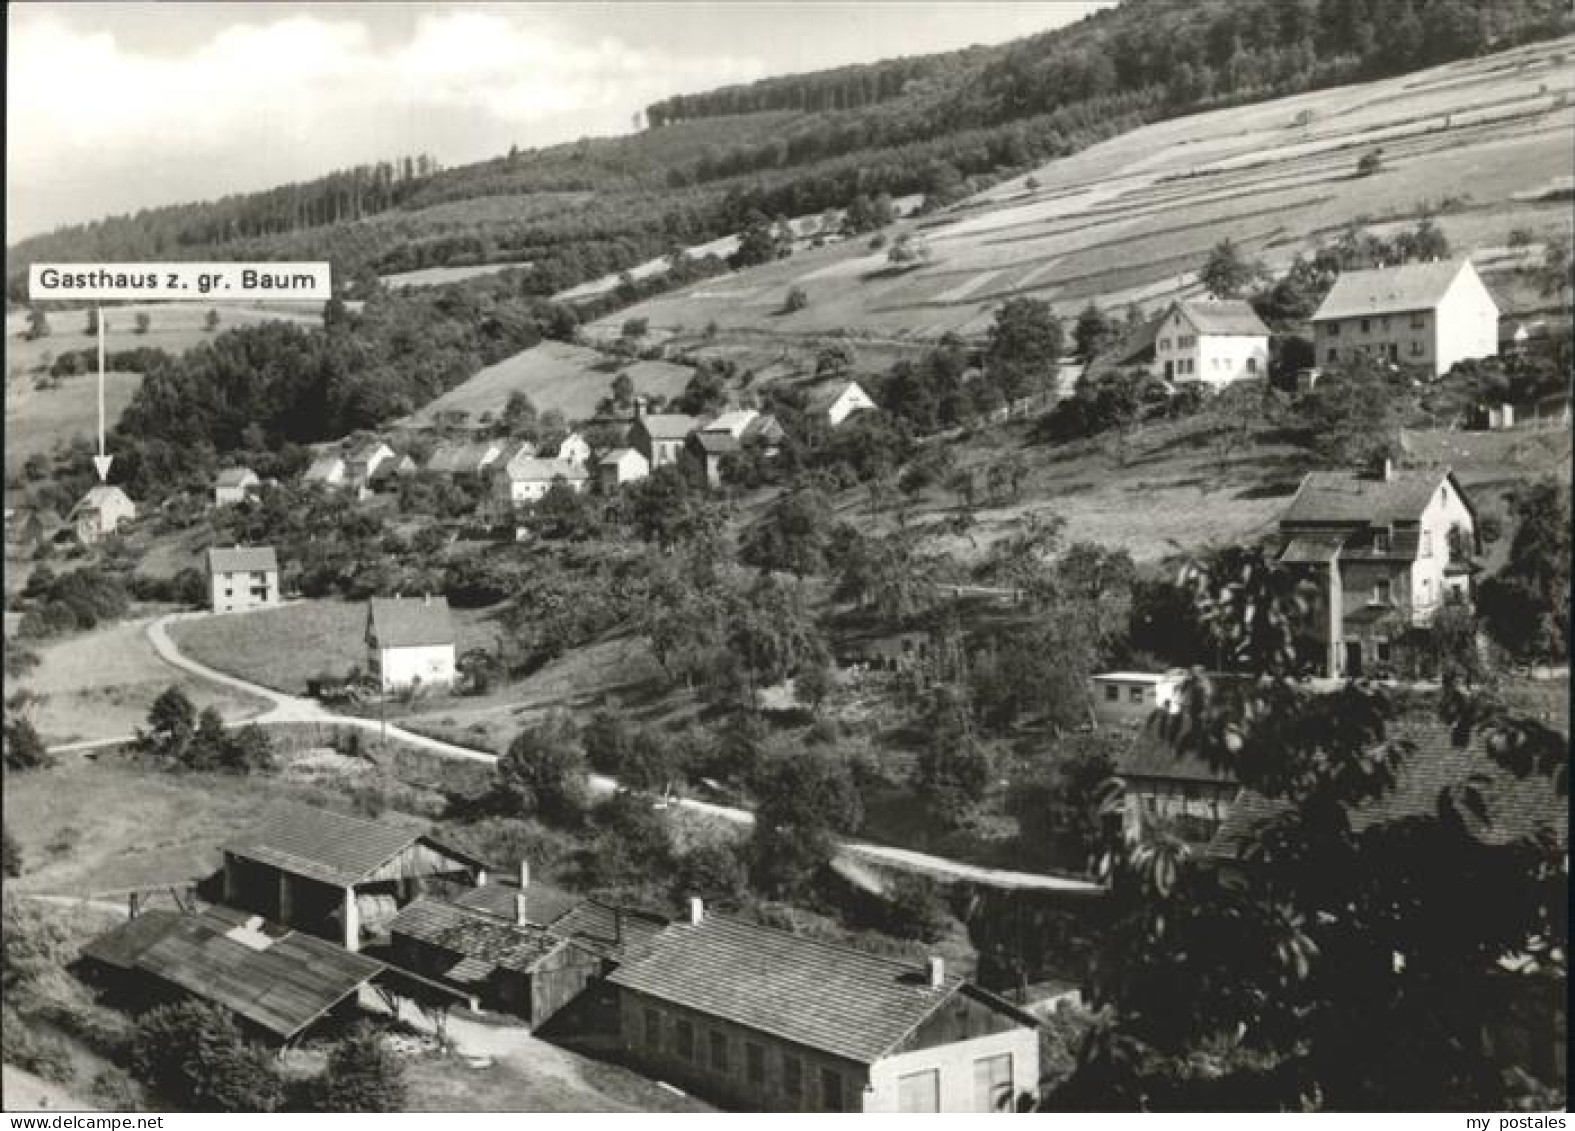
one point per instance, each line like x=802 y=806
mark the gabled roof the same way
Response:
x=370 y=450
x=242 y=559
x=1151 y=757
x=544 y=904
x=622 y=934
x=412 y=622
x=476 y=935
x=236 y=477
x=325 y=466
x=714 y=443
x=832 y=998
x=1230 y=317
x=279 y=980
x=530 y=469
x=446 y=456
x=1515 y=807
x=1136 y=345
x=1340 y=498
x=618 y=455
x=332 y=847
x=734 y=421
x=101 y=495
x=667 y=425
x=1390 y=290
x=822 y=399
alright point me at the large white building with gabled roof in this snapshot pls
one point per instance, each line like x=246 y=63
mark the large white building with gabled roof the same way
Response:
x=1210 y=342
x=1424 y=314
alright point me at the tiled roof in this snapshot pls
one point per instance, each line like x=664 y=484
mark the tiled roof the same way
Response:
x=242 y=559
x=101 y=495
x=1150 y=756
x=475 y=934
x=821 y=995
x=1389 y=290
x=733 y=421
x=528 y=469
x=1313 y=549
x=1343 y=497
x=620 y=933
x=236 y=477
x=544 y=904
x=411 y=622
x=617 y=456
x=714 y=443
x=324 y=466
x=332 y=847
x=122 y=946
x=281 y=984
x=823 y=398
x=1136 y=345
x=1223 y=316
x=667 y=425
x=1515 y=806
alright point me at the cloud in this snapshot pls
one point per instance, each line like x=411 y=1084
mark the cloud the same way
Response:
x=96 y=125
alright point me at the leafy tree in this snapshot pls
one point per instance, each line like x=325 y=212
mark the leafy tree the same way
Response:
x=955 y=769
x=908 y=251
x=714 y=871
x=1353 y=415
x=834 y=360
x=792 y=535
x=770 y=634
x=10 y=855
x=144 y=322
x=362 y=1074
x=631 y=846
x=803 y=803
x=37 y=324
x=757 y=244
x=1525 y=605
x=1093 y=333
x=1024 y=347
x=24 y=749
x=210 y=321
x=635 y=328
x=543 y=771
x=172 y=725
x=797 y=299
x=1226 y=272
x=1370 y=162
x=194 y=1054
x=623 y=390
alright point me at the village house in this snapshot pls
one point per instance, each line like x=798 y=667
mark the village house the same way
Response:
x=337 y=876
x=527 y=480
x=707 y=450
x=837 y=402
x=1125 y=698
x=410 y=643
x=1424 y=314
x=446 y=455
x=280 y=984
x=660 y=436
x=1212 y=342
x=400 y=467
x=1176 y=787
x=733 y=422
x=365 y=460
x=327 y=470
x=764 y=1020
x=620 y=466
x=242 y=577
x=746 y=425
x=233 y=485
x=574 y=448
x=1385 y=549
x=478 y=457
x=100 y=513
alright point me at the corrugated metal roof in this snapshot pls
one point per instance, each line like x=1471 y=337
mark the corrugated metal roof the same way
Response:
x=1230 y=317
x=332 y=847
x=841 y=1001
x=282 y=988
x=412 y=622
x=122 y=946
x=1389 y=290
x=242 y=559
x=475 y=934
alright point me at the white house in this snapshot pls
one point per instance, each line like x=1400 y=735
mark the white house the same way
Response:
x=242 y=577
x=840 y=401
x=1122 y=698
x=1212 y=342
x=1426 y=314
x=233 y=485
x=410 y=643
x=620 y=466
x=329 y=470
x=365 y=460
x=574 y=448
x=100 y=513
x=734 y=422
x=527 y=479
x=660 y=436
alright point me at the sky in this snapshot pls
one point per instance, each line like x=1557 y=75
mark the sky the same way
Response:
x=115 y=107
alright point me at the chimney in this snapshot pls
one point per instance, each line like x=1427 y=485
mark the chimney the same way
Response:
x=696 y=911
x=639 y=407
x=617 y=926
x=937 y=972
x=520 y=918
x=1388 y=469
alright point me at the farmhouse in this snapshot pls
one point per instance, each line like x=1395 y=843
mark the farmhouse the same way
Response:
x=242 y=577
x=1425 y=314
x=621 y=465
x=329 y=470
x=660 y=436
x=1177 y=787
x=100 y=513
x=365 y=461
x=574 y=448
x=279 y=982
x=528 y=479
x=1386 y=549
x=334 y=875
x=410 y=643
x=840 y=401
x=706 y=450
x=233 y=485
x=1211 y=342
x=1124 y=698
x=765 y=1020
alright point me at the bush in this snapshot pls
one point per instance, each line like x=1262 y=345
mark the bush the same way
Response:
x=1371 y=162
x=362 y=1075
x=193 y=1054
x=117 y=1091
x=44 y=1056
x=10 y=855
x=543 y=772
x=24 y=749
x=797 y=299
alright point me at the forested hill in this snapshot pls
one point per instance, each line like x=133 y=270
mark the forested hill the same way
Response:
x=941 y=125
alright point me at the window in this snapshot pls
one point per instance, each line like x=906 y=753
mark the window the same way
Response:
x=684 y=1032
x=830 y=1090
x=1383 y=323
x=919 y=1091
x=1334 y=355
x=1419 y=321
x=1384 y=651
x=1427 y=543
x=1135 y=694
x=653 y=1029
x=1416 y=348
x=792 y=1075
x=1381 y=593
x=992 y=1082
x=1367 y=325
x=1333 y=329
x=1164 y=345
x=1112 y=693
x=1381 y=540
x=1252 y=365
x=754 y=1063
x=718 y=1051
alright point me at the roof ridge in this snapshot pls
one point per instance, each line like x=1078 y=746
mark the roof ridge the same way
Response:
x=825 y=944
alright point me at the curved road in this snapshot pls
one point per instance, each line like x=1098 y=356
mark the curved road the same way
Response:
x=295 y=709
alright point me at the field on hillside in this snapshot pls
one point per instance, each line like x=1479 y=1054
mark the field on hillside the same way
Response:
x=36 y=419
x=1482 y=142
x=283 y=648
x=100 y=684
x=435 y=276
x=554 y=375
